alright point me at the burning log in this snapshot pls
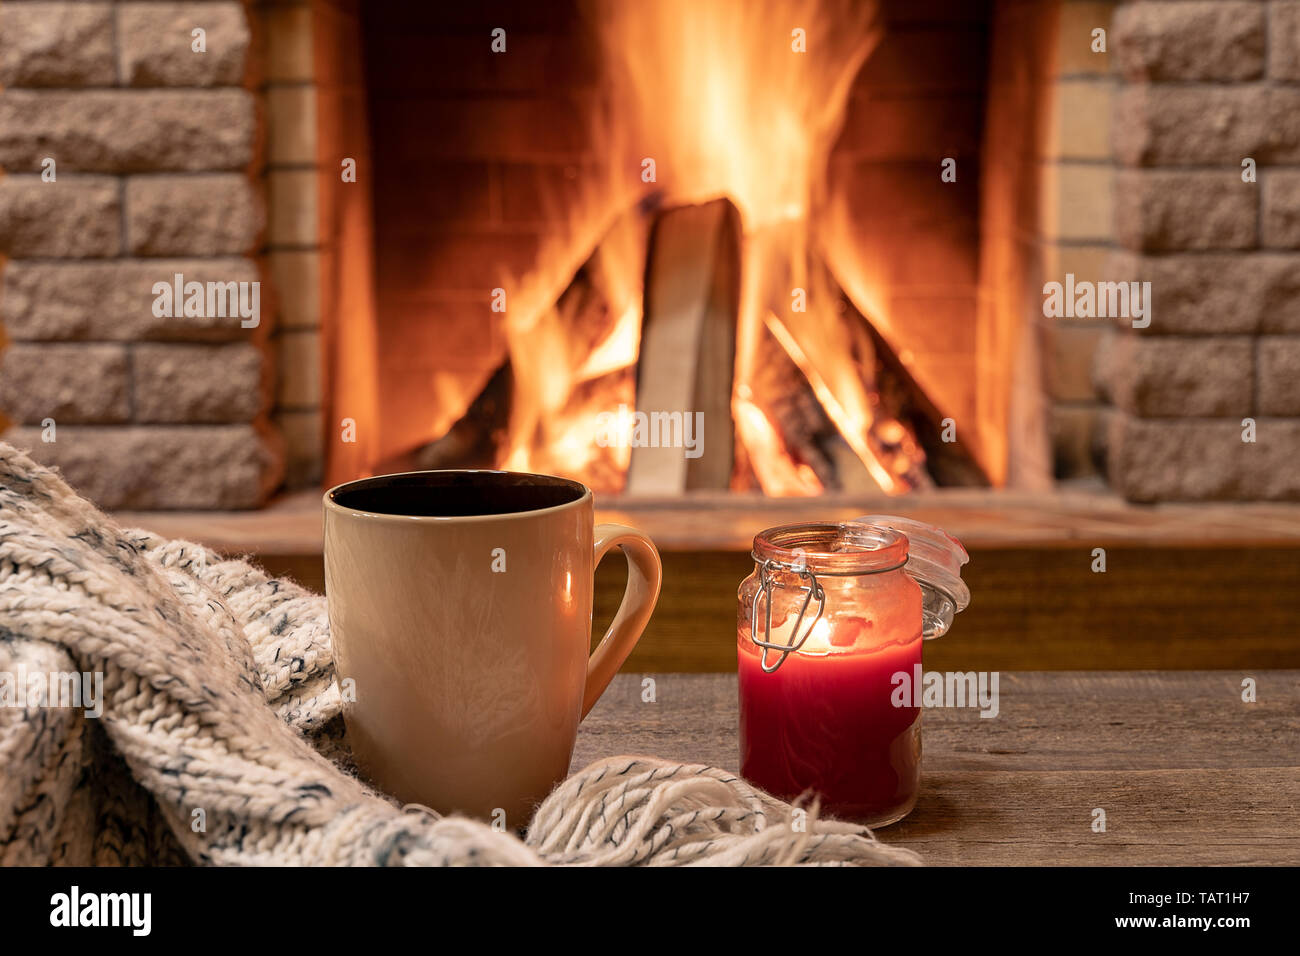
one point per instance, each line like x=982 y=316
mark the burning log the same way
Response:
x=824 y=402
x=475 y=441
x=794 y=412
x=948 y=459
x=878 y=408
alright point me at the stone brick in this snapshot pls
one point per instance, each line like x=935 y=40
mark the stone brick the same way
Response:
x=1284 y=40
x=1279 y=226
x=161 y=467
x=455 y=262
x=209 y=384
x=1076 y=201
x=1167 y=211
x=1073 y=348
x=1080 y=126
x=73 y=217
x=1273 y=475
x=304 y=447
x=1077 y=20
x=155 y=42
x=1190 y=40
x=204 y=215
x=1280 y=140
x=1086 y=262
x=295 y=274
x=890 y=70
x=494 y=128
x=1158 y=125
x=124 y=131
x=1204 y=293
x=289 y=55
x=48 y=301
x=570 y=59
x=292 y=197
x=1176 y=377
x=1280 y=303
x=881 y=197
x=1279 y=375
x=56 y=44
x=291 y=124
x=910 y=128
x=299 y=383
x=1202 y=459
x=69 y=383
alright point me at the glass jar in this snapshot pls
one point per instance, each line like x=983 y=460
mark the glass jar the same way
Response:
x=840 y=610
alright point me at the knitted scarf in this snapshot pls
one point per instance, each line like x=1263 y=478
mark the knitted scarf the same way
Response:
x=162 y=704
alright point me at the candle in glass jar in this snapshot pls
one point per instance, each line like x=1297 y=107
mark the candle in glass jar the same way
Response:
x=824 y=721
x=840 y=609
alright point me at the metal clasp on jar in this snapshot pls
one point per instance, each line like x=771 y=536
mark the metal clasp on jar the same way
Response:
x=812 y=589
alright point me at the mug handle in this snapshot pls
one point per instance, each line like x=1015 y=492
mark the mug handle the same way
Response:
x=644 y=575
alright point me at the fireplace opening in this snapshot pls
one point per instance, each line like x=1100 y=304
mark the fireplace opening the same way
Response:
x=501 y=235
x=683 y=246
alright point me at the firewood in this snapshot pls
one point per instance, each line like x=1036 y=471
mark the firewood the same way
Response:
x=688 y=344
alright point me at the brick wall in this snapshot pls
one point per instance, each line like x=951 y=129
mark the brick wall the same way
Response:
x=157 y=152
x=1074 y=227
x=293 y=79
x=1203 y=85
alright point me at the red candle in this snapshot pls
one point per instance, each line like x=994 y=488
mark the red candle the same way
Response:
x=824 y=722
x=817 y=713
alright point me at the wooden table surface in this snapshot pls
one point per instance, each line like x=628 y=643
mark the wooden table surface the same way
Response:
x=1187 y=773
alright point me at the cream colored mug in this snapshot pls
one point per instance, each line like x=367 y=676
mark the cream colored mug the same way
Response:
x=460 y=608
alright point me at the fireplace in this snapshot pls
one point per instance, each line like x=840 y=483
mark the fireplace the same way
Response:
x=778 y=243
x=824 y=230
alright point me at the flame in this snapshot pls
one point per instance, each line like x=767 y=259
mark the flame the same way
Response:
x=726 y=98
x=819 y=638
x=777 y=472
x=744 y=99
x=565 y=376
x=726 y=105
x=853 y=420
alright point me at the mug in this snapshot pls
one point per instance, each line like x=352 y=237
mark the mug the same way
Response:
x=460 y=608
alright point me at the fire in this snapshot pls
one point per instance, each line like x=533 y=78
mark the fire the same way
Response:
x=777 y=473
x=854 y=421
x=565 y=373
x=721 y=98
x=744 y=99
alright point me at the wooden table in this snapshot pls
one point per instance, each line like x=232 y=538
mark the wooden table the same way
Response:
x=1186 y=772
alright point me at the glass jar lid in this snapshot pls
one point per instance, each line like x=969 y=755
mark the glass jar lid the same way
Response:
x=934 y=561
